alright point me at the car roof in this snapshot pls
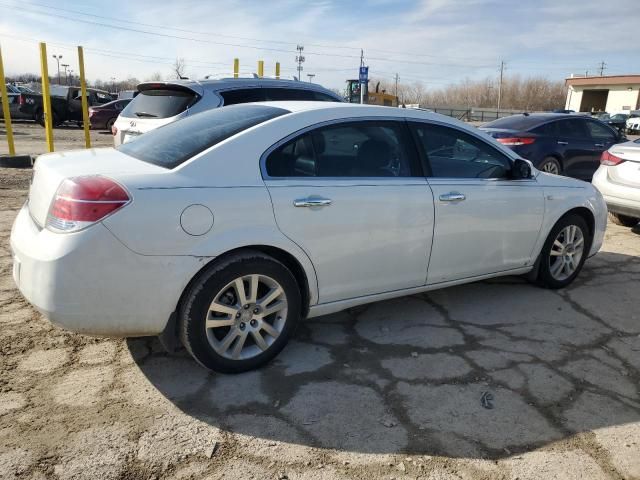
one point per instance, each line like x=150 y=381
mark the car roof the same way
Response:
x=226 y=83
x=525 y=121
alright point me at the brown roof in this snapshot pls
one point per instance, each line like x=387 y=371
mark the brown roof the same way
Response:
x=604 y=80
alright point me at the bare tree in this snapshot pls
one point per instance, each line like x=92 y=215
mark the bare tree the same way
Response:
x=154 y=77
x=178 y=68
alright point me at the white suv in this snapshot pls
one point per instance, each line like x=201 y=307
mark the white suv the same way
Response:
x=159 y=103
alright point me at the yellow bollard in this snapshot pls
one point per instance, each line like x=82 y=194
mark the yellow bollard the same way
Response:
x=278 y=70
x=260 y=68
x=236 y=67
x=85 y=102
x=46 y=97
x=5 y=109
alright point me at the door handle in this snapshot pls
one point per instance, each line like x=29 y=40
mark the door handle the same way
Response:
x=599 y=145
x=452 y=197
x=562 y=143
x=312 y=202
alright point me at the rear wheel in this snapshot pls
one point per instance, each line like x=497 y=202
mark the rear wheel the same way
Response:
x=110 y=123
x=240 y=313
x=624 y=220
x=551 y=165
x=564 y=252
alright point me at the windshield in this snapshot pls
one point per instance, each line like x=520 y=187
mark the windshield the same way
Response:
x=175 y=143
x=159 y=103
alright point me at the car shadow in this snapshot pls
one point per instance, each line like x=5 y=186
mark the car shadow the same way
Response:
x=484 y=370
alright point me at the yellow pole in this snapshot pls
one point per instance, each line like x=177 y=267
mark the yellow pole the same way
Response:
x=261 y=68
x=236 y=67
x=5 y=109
x=85 y=104
x=46 y=97
x=278 y=70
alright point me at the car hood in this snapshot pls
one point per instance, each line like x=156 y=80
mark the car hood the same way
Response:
x=550 y=180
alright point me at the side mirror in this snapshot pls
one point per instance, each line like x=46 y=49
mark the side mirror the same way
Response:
x=521 y=169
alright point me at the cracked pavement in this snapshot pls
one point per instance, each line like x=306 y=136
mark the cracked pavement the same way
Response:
x=389 y=390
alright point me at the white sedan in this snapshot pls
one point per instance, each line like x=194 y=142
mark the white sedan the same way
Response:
x=226 y=228
x=618 y=179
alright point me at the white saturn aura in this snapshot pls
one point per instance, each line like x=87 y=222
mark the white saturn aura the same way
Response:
x=224 y=229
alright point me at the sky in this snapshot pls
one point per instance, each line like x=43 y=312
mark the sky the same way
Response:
x=434 y=42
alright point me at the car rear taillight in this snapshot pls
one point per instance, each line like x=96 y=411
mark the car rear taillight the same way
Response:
x=513 y=141
x=20 y=100
x=83 y=201
x=114 y=130
x=609 y=159
x=91 y=112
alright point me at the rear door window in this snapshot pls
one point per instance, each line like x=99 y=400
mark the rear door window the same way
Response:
x=600 y=132
x=159 y=103
x=572 y=129
x=549 y=129
x=243 y=95
x=175 y=143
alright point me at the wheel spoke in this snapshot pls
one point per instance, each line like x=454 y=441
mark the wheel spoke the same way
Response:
x=271 y=296
x=270 y=330
x=259 y=340
x=237 y=349
x=226 y=342
x=557 y=267
x=273 y=308
x=221 y=308
x=555 y=253
x=578 y=242
x=253 y=288
x=239 y=287
x=557 y=243
x=219 y=322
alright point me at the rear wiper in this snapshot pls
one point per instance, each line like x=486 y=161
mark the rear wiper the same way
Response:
x=145 y=114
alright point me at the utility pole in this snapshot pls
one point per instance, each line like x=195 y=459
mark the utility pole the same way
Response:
x=65 y=65
x=603 y=67
x=300 y=59
x=502 y=65
x=58 y=58
x=396 y=91
x=361 y=84
x=311 y=75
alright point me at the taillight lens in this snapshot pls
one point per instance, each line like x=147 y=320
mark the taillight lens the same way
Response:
x=609 y=159
x=512 y=141
x=83 y=201
x=91 y=112
x=114 y=130
x=20 y=100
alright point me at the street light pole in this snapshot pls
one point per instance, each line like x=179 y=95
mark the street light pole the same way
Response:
x=311 y=75
x=58 y=58
x=66 y=79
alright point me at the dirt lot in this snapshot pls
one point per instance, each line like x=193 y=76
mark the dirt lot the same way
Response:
x=394 y=390
x=29 y=138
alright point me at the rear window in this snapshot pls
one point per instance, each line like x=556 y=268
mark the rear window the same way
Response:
x=175 y=143
x=159 y=103
x=514 y=122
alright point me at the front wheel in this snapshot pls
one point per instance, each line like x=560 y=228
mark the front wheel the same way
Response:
x=623 y=220
x=564 y=252
x=550 y=165
x=240 y=313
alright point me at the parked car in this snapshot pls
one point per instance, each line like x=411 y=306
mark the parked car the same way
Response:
x=159 y=103
x=556 y=143
x=227 y=227
x=66 y=103
x=618 y=179
x=617 y=121
x=15 y=98
x=633 y=123
x=104 y=116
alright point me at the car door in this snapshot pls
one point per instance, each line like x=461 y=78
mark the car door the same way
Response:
x=577 y=145
x=353 y=196
x=485 y=222
x=602 y=137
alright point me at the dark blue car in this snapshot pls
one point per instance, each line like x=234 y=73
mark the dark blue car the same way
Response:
x=557 y=143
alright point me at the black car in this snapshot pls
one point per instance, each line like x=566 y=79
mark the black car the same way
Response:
x=557 y=143
x=617 y=121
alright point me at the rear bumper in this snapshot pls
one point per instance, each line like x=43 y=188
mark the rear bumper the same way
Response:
x=89 y=282
x=620 y=199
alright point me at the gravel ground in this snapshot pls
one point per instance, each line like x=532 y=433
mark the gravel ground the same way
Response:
x=398 y=389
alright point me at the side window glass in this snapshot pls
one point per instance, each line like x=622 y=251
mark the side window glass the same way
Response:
x=455 y=154
x=323 y=97
x=275 y=94
x=600 y=132
x=358 y=149
x=243 y=95
x=571 y=129
x=549 y=129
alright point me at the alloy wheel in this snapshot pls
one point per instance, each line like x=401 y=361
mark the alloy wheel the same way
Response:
x=246 y=317
x=566 y=252
x=550 y=167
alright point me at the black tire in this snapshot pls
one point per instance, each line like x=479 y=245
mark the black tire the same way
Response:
x=550 y=163
x=545 y=277
x=40 y=119
x=194 y=309
x=623 y=220
x=110 y=123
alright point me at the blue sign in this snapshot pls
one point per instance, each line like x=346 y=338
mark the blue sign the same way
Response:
x=364 y=74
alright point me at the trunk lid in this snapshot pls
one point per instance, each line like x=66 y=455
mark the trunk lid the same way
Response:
x=628 y=172
x=51 y=169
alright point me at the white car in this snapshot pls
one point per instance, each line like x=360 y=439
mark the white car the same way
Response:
x=618 y=179
x=227 y=227
x=633 y=123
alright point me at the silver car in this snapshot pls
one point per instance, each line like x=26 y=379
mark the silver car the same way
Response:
x=159 y=103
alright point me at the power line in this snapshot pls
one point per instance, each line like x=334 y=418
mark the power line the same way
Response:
x=603 y=67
